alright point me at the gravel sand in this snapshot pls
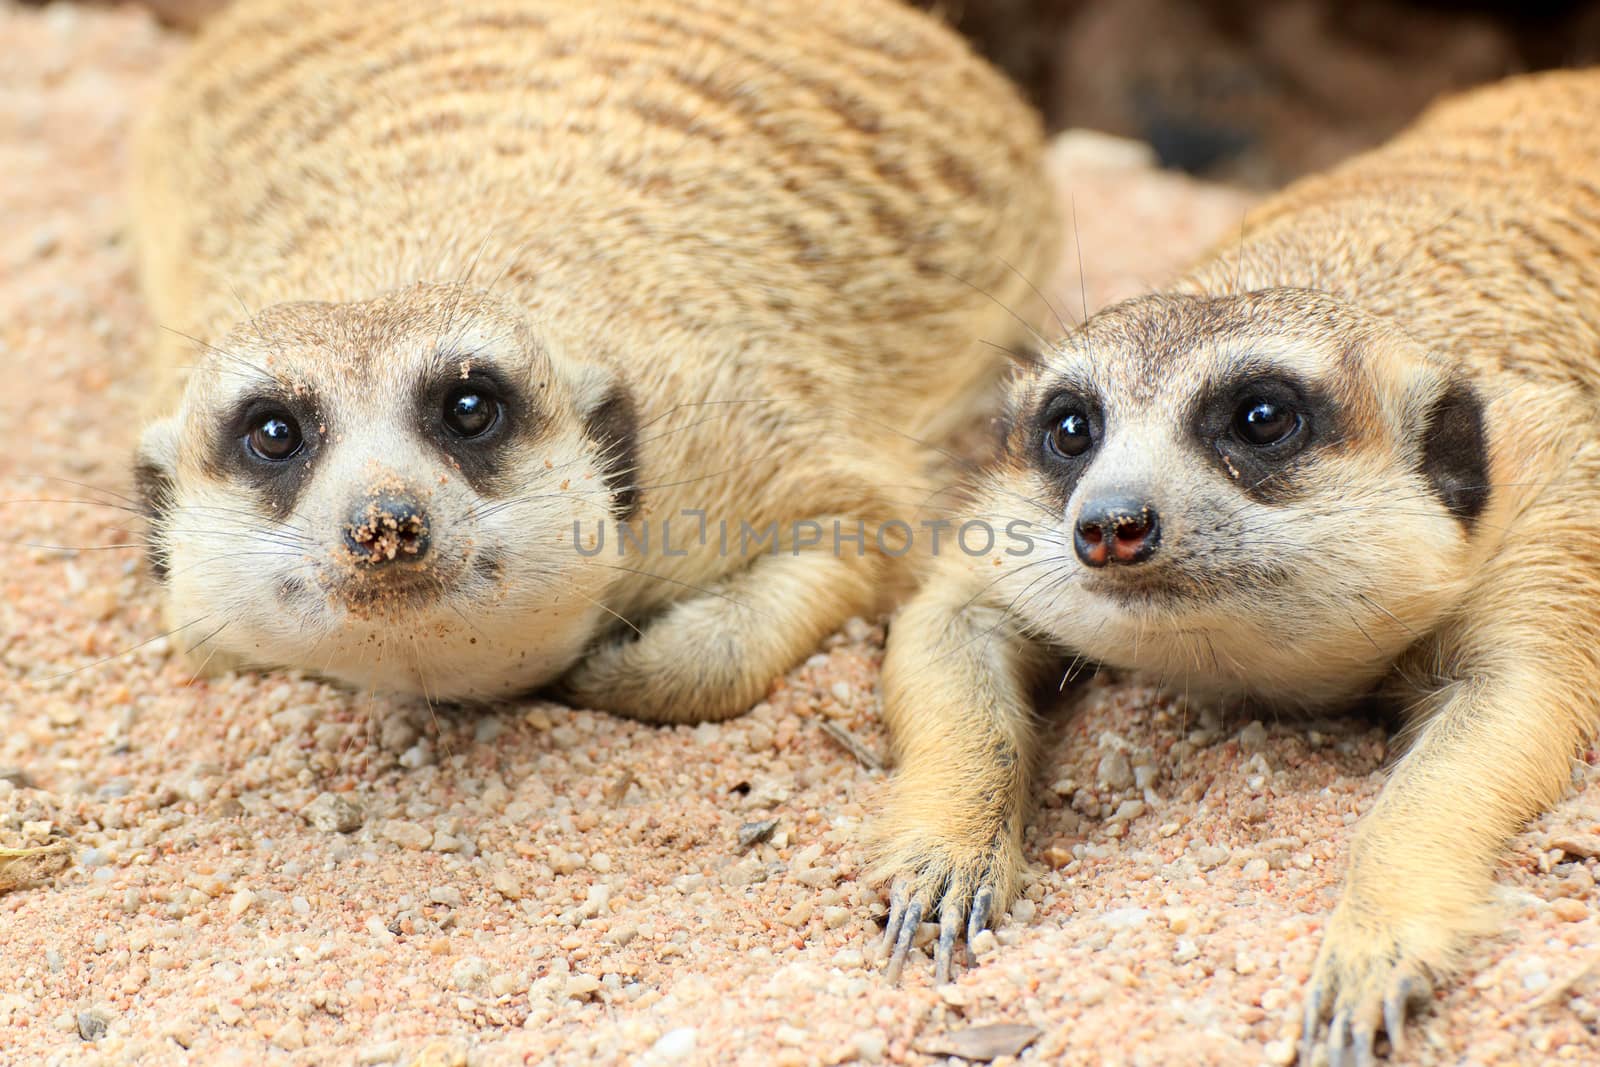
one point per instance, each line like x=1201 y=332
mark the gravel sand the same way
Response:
x=268 y=870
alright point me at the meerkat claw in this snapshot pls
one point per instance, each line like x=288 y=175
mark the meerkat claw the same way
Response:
x=952 y=917
x=1310 y=1023
x=910 y=918
x=899 y=894
x=1362 y=1043
x=978 y=919
x=1406 y=994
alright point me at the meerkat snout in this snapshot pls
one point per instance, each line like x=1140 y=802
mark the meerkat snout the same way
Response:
x=387 y=527
x=1121 y=529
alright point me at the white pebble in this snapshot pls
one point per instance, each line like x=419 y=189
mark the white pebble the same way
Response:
x=407 y=834
x=1253 y=737
x=870 y=1045
x=674 y=1044
x=470 y=973
x=447 y=895
x=595 y=901
x=242 y=901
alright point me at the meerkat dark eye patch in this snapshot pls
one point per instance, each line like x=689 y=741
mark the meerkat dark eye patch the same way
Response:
x=269 y=444
x=471 y=419
x=1258 y=427
x=1066 y=431
x=613 y=425
x=1455 y=452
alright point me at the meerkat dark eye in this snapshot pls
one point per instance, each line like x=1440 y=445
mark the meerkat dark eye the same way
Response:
x=470 y=410
x=1070 y=434
x=1262 y=422
x=274 y=436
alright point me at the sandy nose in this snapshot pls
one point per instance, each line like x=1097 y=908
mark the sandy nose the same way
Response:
x=1117 y=530
x=387 y=527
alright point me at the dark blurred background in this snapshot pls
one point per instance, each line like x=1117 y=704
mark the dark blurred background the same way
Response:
x=1259 y=91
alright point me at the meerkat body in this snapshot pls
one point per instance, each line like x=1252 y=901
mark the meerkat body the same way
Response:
x=472 y=280
x=1357 y=450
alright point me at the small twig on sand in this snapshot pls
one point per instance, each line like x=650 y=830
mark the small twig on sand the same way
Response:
x=853 y=745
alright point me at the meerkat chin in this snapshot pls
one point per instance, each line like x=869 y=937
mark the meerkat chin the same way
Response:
x=487 y=292
x=1355 y=452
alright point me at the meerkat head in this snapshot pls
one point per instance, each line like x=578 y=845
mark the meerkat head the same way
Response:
x=1271 y=493
x=384 y=493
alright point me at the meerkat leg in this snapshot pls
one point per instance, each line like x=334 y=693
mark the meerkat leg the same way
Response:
x=713 y=655
x=1494 y=749
x=957 y=686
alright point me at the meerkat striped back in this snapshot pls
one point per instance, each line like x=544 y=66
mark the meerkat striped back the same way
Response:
x=840 y=167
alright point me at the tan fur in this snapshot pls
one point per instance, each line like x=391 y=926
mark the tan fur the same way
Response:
x=772 y=224
x=1466 y=251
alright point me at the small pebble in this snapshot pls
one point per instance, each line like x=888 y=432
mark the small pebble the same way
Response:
x=92 y=1025
x=1253 y=738
x=581 y=985
x=470 y=973
x=1114 y=771
x=674 y=1044
x=407 y=834
x=243 y=900
x=418 y=755
x=332 y=813
x=291 y=1036
x=754 y=833
x=447 y=895
x=595 y=901
x=1569 y=910
x=506 y=885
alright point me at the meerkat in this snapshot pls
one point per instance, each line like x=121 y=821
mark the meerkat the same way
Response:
x=447 y=288
x=1354 y=452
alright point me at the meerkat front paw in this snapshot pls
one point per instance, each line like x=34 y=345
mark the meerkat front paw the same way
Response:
x=1368 y=975
x=965 y=880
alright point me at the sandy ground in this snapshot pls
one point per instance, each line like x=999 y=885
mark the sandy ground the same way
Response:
x=268 y=870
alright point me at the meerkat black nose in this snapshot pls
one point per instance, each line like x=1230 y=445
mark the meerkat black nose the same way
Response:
x=1116 y=531
x=387 y=527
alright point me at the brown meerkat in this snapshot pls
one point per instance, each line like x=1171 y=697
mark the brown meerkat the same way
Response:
x=542 y=340
x=1355 y=451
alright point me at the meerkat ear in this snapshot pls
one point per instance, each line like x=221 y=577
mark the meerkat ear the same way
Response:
x=1455 y=450
x=155 y=476
x=606 y=407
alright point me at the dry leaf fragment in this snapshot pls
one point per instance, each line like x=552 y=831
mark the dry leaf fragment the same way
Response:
x=982 y=1043
x=22 y=865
